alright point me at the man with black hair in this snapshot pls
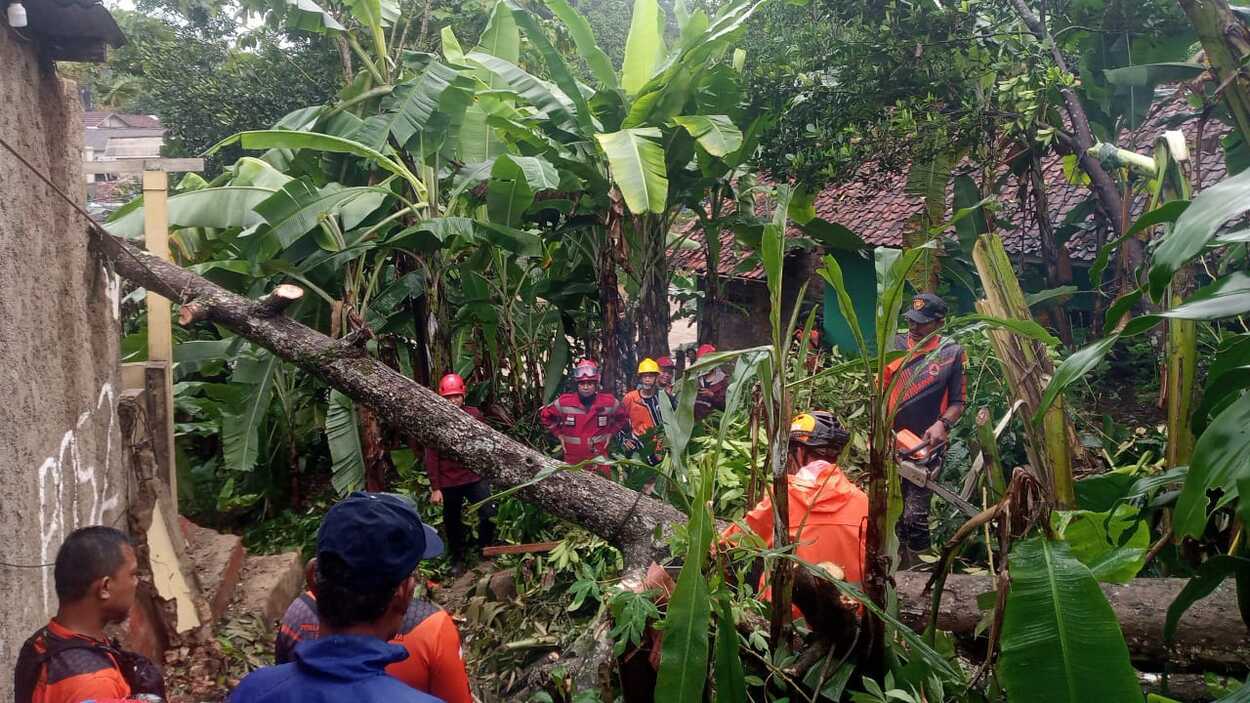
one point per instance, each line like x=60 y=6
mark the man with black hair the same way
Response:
x=368 y=547
x=71 y=659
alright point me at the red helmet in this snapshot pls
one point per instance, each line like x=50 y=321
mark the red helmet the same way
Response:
x=703 y=350
x=814 y=336
x=666 y=362
x=586 y=370
x=451 y=384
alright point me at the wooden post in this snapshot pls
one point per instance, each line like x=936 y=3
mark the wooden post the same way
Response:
x=160 y=323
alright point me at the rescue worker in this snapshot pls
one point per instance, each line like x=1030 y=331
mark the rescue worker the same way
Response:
x=434 y=664
x=585 y=421
x=828 y=513
x=643 y=406
x=452 y=485
x=667 y=369
x=712 y=386
x=928 y=399
x=71 y=659
x=368 y=548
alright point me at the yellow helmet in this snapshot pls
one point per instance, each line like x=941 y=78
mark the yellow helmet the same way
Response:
x=648 y=366
x=818 y=428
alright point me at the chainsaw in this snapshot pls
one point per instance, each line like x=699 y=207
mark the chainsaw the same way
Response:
x=919 y=463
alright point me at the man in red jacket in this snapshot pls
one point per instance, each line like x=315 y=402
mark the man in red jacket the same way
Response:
x=585 y=421
x=452 y=485
x=712 y=386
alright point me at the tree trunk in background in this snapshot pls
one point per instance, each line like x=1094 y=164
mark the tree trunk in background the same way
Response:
x=1054 y=256
x=1226 y=40
x=653 y=305
x=1081 y=139
x=610 y=311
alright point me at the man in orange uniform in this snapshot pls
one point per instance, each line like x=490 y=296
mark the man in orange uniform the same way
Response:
x=585 y=421
x=643 y=406
x=71 y=659
x=828 y=513
x=433 y=665
x=928 y=400
x=712 y=386
x=452 y=485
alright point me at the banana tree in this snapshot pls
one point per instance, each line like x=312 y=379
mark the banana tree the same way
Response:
x=637 y=145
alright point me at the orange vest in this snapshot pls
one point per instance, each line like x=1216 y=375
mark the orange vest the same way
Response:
x=828 y=519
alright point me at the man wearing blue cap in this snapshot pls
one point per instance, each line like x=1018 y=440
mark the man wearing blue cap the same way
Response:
x=367 y=550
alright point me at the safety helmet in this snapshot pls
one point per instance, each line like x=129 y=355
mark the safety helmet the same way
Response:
x=703 y=350
x=648 y=366
x=451 y=384
x=814 y=336
x=666 y=362
x=586 y=370
x=818 y=429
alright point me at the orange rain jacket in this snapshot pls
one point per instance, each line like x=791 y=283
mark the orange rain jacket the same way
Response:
x=828 y=519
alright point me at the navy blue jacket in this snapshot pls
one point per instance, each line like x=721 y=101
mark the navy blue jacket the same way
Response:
x=335 y=668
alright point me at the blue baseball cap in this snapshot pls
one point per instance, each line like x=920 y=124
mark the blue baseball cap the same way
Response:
x=378 y=536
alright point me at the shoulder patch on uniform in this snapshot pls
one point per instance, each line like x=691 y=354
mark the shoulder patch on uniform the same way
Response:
x=76 y=662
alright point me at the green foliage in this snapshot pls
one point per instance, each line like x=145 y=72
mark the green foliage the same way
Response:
x=1060 y=639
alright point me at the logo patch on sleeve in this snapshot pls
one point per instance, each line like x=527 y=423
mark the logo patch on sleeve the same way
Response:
x=603 y=420
x=569 y=421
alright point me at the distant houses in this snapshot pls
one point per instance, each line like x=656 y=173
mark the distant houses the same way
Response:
x=115 y=136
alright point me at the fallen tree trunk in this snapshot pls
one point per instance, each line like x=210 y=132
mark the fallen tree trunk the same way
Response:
x=1211 y=636
x=632 y=522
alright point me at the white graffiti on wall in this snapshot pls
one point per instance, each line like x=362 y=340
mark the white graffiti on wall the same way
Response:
x=89 y=493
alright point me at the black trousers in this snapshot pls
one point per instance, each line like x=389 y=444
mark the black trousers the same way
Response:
x=454 y=500
x=913 y=526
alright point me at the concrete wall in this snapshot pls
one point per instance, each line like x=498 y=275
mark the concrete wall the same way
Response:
x=60 y=446
x=743 y=317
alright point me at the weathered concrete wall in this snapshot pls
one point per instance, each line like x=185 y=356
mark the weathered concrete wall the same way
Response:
x=60 y=453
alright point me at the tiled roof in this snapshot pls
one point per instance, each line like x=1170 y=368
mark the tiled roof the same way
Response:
x=95 y=120
x=876 y=206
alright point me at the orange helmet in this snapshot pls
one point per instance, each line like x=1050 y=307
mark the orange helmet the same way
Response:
x=451 y=384
x=703 y=350
x=586 y=370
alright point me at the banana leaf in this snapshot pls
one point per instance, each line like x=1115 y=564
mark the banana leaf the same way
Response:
x=343 y=436
x=1061 y=642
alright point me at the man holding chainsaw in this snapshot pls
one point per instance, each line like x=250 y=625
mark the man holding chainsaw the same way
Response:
x=926 y=401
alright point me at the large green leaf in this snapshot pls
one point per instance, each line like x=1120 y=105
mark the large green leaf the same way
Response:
x=1196 y=227
x=557 y=67
x=832 y=273
x=1224 y=297
x=684 y=655
x=218 y=208
x=1209 y=577
x=282 y=139
x=644 y=47
x=343 y=436
x=717 y=134
x=434 y=104
x=541 y=95
x=501 y=37
x=1061 y=642
x=241 y=425
x=299 y=206
x=968 y=195
x=508 y=194
x=928 y=179
x=1152 y=74
x=584 y=39
x=308 y=16
x=731 y=685
x=374 y=13
x=1074 y=368
x=553 y=371
x=1218 y=463
x=636 y=160
x=1112 y=544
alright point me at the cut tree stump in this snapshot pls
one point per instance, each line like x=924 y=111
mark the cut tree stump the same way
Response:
x=1211 y=636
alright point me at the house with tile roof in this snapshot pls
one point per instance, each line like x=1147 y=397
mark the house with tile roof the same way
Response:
x=876 y=206
x=109 y=136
